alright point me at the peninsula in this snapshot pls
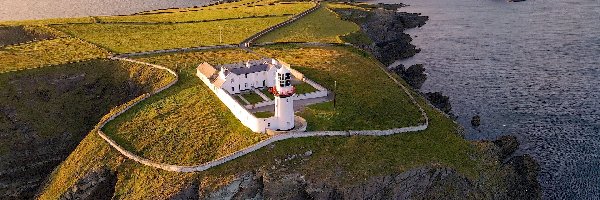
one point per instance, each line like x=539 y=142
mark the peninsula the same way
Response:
x=261 y=99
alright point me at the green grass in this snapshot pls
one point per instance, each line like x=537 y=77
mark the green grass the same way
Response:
x=304 y=88
x=253 y=98
x=47 y=52
x=264 y=114
x=210 y=13
x=124 y=38
x=46 y=112
x=48 y=21
x=342 y=161
x=267 y=93
x=239 y=99
x=322 y=25
x=186 y=124
x=365 y=97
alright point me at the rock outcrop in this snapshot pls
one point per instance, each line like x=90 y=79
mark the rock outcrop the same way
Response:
x=96 y=185
x=385 y=27
x=419 y=183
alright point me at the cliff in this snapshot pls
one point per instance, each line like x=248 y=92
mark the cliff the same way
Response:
x=46 y=112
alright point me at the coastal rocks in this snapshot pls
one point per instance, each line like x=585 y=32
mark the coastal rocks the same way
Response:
x=507 y=145
x=246 y=186
x=385 y=28
x=96 y=185
x=476 y=121
x=440 y=101
x=188 y=193
x=418 y=183
x=519 y=173
x=414 y=75
x=523 y=183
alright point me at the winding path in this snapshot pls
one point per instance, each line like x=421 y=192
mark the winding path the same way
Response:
x=283 y=136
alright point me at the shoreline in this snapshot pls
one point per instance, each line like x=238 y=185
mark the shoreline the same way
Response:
x=522 y=170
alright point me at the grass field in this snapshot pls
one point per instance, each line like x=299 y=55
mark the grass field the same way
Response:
x=210 y=13
x=365 y=97
x=47 y=52
x=48 y=21
x=46 y=112
x=124 y=38
x=166 y=127
x=186 y=124
x=322 y=25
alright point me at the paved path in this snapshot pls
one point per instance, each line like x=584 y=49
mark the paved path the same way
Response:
x=282 y=136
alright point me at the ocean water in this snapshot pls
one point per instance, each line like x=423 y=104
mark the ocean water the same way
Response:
x=529 y=69
x=41 y=9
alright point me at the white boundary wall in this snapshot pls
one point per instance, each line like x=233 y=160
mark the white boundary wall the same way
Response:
x=255 y=124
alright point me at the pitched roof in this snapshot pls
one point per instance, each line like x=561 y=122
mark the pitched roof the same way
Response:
x=207 y=69
x=219 y=82
x=249 y=67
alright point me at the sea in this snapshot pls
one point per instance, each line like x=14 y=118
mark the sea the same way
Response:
x=529 y=69
x=44 y=9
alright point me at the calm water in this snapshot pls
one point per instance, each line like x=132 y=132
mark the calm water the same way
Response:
x=531 y=69
x=40 y=9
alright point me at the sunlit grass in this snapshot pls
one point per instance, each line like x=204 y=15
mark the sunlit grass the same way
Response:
x=366 y=98
x=186 y=124
x=47 y=52
x=212 y=13
x=340 y=160
x=123 y=38
x=322 y=25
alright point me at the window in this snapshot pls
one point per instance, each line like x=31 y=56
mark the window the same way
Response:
x=232 y=89
x=246 y=75
x=269 y=124
x=232 y=80
x=287 y=76
x=245 y=85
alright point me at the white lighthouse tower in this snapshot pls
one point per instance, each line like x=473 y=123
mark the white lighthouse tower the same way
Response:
x=284 y=103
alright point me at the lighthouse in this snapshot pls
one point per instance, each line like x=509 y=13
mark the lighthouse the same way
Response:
x=284 y=103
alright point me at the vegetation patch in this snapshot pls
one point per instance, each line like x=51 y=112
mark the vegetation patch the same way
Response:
x=18 y=34
x=366 y=98
x=252 y=97
x=186 y=124
x=123 y=38
x=304 y=88
x=210 y=13
x=49 y=21
x=264 y=114
x=323 y=25
x=47 y=52
x=46 y=112
x=268 y=93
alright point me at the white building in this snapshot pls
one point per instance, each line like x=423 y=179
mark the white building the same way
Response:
x=226 y=80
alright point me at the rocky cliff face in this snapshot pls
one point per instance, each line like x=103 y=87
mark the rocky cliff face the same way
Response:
x=97 y=185
x=420 y=183
x=385 y=27
x=45 y=112
x=514 y=179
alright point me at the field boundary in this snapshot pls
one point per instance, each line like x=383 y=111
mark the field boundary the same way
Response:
x=100 y=21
